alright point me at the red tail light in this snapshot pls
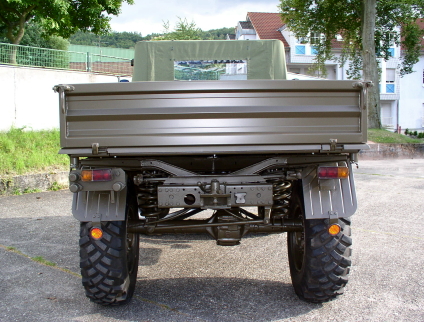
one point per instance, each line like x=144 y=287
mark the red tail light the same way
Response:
x=333 y=172
x=96 y=175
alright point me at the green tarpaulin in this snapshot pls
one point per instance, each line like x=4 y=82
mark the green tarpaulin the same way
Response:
x=154 y=60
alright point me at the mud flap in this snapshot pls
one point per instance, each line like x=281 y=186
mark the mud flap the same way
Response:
x=99 y=205
x=328 y=198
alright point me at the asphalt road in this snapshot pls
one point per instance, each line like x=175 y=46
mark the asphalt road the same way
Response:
x=189 y=278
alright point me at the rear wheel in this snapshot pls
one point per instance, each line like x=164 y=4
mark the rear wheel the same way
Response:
x=109 y=265
x=319 y=262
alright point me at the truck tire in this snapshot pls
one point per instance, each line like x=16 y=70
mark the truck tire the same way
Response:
x=109 y=265
x=319 y=262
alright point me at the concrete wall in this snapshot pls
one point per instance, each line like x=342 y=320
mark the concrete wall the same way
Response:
x=27 y=98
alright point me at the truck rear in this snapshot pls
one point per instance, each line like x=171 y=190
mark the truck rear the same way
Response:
x=224 y=158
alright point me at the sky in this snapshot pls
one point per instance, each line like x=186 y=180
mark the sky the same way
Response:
x=148 y=17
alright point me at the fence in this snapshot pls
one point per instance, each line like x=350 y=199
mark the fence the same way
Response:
x=62 y=59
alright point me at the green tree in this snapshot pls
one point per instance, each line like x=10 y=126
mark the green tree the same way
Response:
x=217 y=34
x=36 y=37
x=58 y=17
x=112 y=39
x=183 y=30
x=368 y=28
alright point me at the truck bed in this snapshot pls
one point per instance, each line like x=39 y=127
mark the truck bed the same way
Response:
x=254 y=116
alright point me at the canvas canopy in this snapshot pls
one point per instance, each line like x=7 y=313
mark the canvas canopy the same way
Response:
x=154 y=60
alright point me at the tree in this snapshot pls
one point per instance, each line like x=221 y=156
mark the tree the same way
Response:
x=59 y=17
x=368 y=29
x=183 y=30
x=35 y=36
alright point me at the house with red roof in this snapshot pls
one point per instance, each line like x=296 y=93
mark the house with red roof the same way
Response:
x=399 y=108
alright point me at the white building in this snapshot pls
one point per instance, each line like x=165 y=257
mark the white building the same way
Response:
x=402 y=99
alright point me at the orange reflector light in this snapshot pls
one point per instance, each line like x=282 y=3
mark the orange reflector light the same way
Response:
x=96 y=233
x=333 y=172
x=334 y=229
x=86 y=175
x=96 y=175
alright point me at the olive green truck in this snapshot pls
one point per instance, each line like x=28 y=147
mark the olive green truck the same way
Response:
x=250 y=152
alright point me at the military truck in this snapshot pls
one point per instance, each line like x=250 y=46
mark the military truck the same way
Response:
x=249 y=152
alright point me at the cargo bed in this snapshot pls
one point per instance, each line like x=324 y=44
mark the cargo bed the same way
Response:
x=202 y=117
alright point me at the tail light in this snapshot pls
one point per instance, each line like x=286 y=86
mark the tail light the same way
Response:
x=333 y=172
x=96 y=175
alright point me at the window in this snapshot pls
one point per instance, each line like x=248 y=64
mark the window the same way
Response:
x=390 y=80
x=391 y=52
x=314 y=50
x=210 y=70
x=390 y=88
x=302 y=40
x=315 y=38
x=300 y=50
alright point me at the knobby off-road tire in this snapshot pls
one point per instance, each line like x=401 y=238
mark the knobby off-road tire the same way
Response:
x=319 y=263
x=109 y=265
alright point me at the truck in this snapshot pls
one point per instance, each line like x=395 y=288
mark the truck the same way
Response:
x=245 y=153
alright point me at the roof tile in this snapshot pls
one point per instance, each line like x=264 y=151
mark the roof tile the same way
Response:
x=267 y=24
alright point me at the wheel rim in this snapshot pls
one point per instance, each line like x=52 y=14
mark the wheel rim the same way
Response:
x=297 y=244
x=132 y=239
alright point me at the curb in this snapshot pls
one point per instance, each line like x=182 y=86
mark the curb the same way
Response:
x=33 y=182
x=380 y=151
x=56 y=181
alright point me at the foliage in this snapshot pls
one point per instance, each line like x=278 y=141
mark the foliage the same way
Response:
x=59 y=17
x=113 y=39
x=129 y=39
x=24 y=151
x=183 y=30
x=35 y=36
x=331 y=18
x=216 y=34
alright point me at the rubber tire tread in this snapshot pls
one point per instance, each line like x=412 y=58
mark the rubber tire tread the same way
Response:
x=103 y=264
x=326 y=261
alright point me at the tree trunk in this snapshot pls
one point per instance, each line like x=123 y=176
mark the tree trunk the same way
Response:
x=370 y=68
x=15 y=38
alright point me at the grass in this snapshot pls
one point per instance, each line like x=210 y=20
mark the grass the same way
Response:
x=24 y=151
x=384 y=136
x=43 y=261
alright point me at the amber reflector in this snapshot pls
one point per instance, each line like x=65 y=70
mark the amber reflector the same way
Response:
x=96 y=233
x=334 y=229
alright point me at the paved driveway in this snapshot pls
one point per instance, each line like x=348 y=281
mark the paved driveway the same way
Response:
x=189 y=278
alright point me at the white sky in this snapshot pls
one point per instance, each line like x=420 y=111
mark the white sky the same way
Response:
x=147 y=17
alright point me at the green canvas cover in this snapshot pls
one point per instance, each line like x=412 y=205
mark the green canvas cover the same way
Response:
x=154 y=60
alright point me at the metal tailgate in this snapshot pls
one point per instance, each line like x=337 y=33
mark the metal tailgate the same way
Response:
x=211 y=116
